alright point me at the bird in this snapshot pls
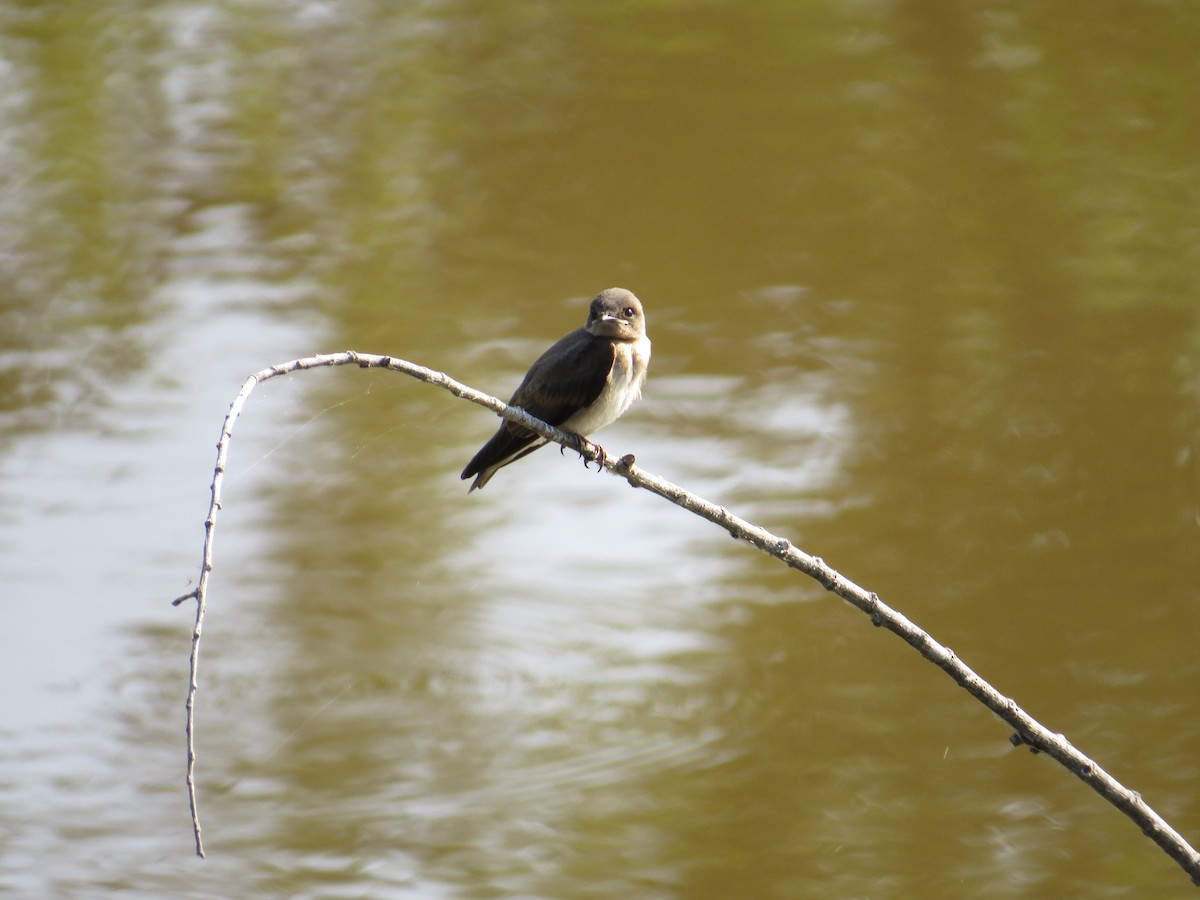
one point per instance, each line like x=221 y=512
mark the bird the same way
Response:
x=582 y=383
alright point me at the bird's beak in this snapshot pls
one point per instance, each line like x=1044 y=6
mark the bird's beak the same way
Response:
x=609 y=326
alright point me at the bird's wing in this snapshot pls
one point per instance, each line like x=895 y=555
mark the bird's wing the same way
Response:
x=566 y=378
x=563 y=380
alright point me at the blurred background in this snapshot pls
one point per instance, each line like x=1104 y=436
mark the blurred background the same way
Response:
x=923 y=281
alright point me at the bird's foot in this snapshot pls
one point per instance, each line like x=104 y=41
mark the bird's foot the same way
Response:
x=587 y=451
x=601 y=457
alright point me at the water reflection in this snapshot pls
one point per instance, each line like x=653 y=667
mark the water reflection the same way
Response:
x=921 y=282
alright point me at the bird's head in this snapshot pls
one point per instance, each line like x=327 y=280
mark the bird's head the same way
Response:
x=617 y=313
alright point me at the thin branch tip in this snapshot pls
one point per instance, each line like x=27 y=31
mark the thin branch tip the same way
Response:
x=190 y=595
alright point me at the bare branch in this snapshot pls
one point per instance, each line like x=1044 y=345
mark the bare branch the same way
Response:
x=1026 y=729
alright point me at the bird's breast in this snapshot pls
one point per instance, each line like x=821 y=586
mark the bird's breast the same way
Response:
x=622 y=387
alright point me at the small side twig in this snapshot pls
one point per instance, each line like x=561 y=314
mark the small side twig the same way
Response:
x=1026 y=729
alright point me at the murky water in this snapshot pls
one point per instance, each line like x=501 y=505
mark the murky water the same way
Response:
x=922 y=284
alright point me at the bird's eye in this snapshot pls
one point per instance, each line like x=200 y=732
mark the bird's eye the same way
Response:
x=628 y=312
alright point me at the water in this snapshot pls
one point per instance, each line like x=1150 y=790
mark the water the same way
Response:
x=921 y=285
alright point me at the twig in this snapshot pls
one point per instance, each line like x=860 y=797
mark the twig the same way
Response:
x=1026 y=729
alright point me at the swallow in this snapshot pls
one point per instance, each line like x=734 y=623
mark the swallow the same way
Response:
x=582 y=383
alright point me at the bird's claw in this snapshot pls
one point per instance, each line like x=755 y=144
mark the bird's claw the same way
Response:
x=581 y=445
x=601 y=457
